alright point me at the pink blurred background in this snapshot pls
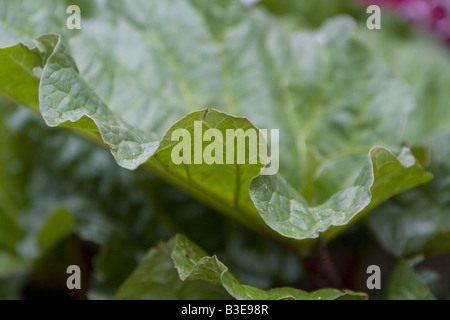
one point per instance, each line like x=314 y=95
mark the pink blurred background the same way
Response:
x=431 y=14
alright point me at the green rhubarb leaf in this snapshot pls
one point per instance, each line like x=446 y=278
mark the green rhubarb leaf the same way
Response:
x=288 y=213
x=405 y=283
x=157 y=279
x=134 y=82
x=415 y=57
x=425 y=65
x=419 y=220
x=19 y=74
x=54 y=184
x=154 y=278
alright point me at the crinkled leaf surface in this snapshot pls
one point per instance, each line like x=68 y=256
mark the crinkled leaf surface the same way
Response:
x=419 y=219
x=406 y=283
x=134 y=77
x=287 y=212
x=154 y=278
x=414 y=57
x=425 y=65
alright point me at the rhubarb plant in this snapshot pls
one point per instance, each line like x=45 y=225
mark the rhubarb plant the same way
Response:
x=94 y=118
